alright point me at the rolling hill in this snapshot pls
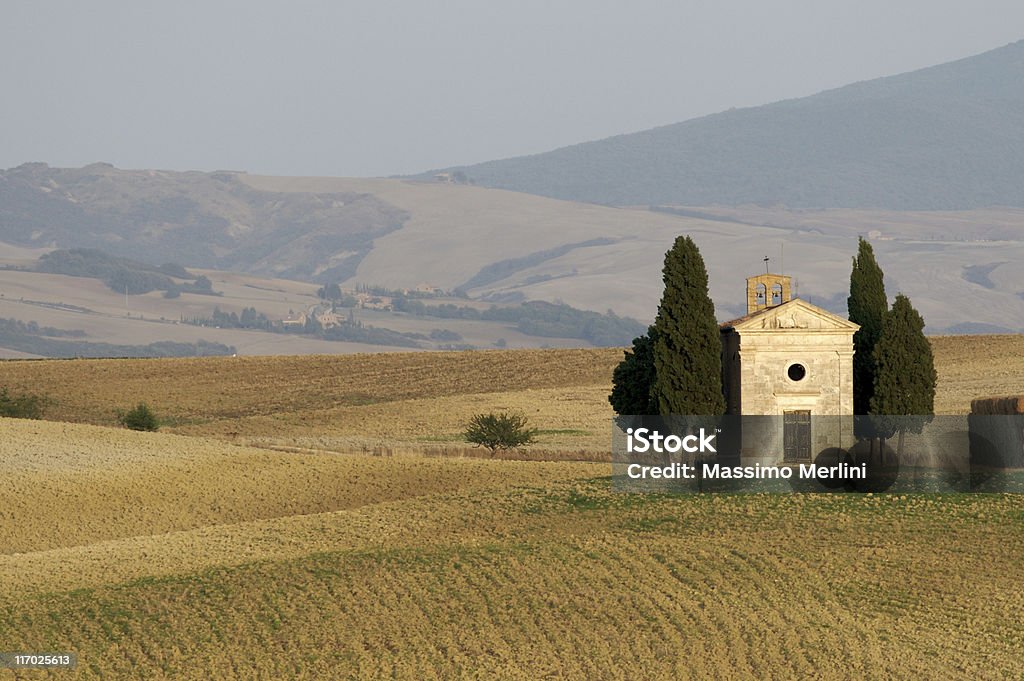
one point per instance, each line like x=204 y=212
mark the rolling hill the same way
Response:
x=941 y=138
x=195 y=554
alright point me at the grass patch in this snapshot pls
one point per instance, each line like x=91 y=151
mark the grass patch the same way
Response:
x=457 y=437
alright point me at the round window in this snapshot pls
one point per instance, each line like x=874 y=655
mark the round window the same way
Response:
x=796 y=372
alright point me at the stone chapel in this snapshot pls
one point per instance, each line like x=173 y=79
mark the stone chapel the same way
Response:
x=790 y=359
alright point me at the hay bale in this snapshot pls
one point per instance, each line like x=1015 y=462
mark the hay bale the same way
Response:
x=996 y=426
x=998 y=406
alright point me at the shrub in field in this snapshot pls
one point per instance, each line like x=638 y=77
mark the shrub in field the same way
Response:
x=140 y=418
x=633 y=378
x=499 y=431
x=20 y=406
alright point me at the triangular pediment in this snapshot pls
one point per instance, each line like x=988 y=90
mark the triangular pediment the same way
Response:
x=797 y=315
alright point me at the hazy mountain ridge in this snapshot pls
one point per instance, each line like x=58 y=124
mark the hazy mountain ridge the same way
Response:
x=942 y=138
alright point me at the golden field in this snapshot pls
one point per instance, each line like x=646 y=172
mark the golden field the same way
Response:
x=258 y=536
x=411 y=401
x=338 y=401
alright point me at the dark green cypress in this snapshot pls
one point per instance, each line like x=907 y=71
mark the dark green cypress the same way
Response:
x=867 y=307
x=687 y=347
x=905 y=369
x=633 y=378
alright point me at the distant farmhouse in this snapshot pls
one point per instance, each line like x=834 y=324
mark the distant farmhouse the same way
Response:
x=428 y=288
x=328 y=319
x=328 y=316
x=294 y=320
x=370 y=301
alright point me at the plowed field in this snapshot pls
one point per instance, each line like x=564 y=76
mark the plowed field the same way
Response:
x=193 y=554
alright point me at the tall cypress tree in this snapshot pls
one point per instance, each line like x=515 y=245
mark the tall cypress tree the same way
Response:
x=867 y=306
x=633 y=378
x=905 y=369
x=687 y=347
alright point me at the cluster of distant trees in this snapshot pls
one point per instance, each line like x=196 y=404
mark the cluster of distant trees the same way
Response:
x=351 y=331
x=445 y=335
x=376 y=290
x=333 y=293
x=17 y=326
x=539 y=318
x=201 y=286
x=249 y=319
x=49 y=342
x=356 y=332
x=123 y=274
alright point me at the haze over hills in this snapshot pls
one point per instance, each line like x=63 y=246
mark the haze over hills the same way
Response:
x=959 y=268
x=928 y=165
x=942 y=138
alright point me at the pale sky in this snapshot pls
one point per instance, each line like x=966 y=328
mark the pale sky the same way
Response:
x=380 y=88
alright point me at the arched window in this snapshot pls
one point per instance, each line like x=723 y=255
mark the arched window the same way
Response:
x=776 y=294
x=759 y=294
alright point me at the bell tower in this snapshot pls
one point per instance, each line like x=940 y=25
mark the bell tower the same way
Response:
x=767 y=290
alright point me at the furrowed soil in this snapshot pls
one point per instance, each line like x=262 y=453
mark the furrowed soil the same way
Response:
x=64 y=485
x=192 y=553
x=565 y=579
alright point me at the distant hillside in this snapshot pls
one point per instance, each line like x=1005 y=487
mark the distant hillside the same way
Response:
x=200 y=219
x=945 y=137
x=490 y=245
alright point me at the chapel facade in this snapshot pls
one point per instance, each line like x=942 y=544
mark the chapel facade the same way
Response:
x=788 y=358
